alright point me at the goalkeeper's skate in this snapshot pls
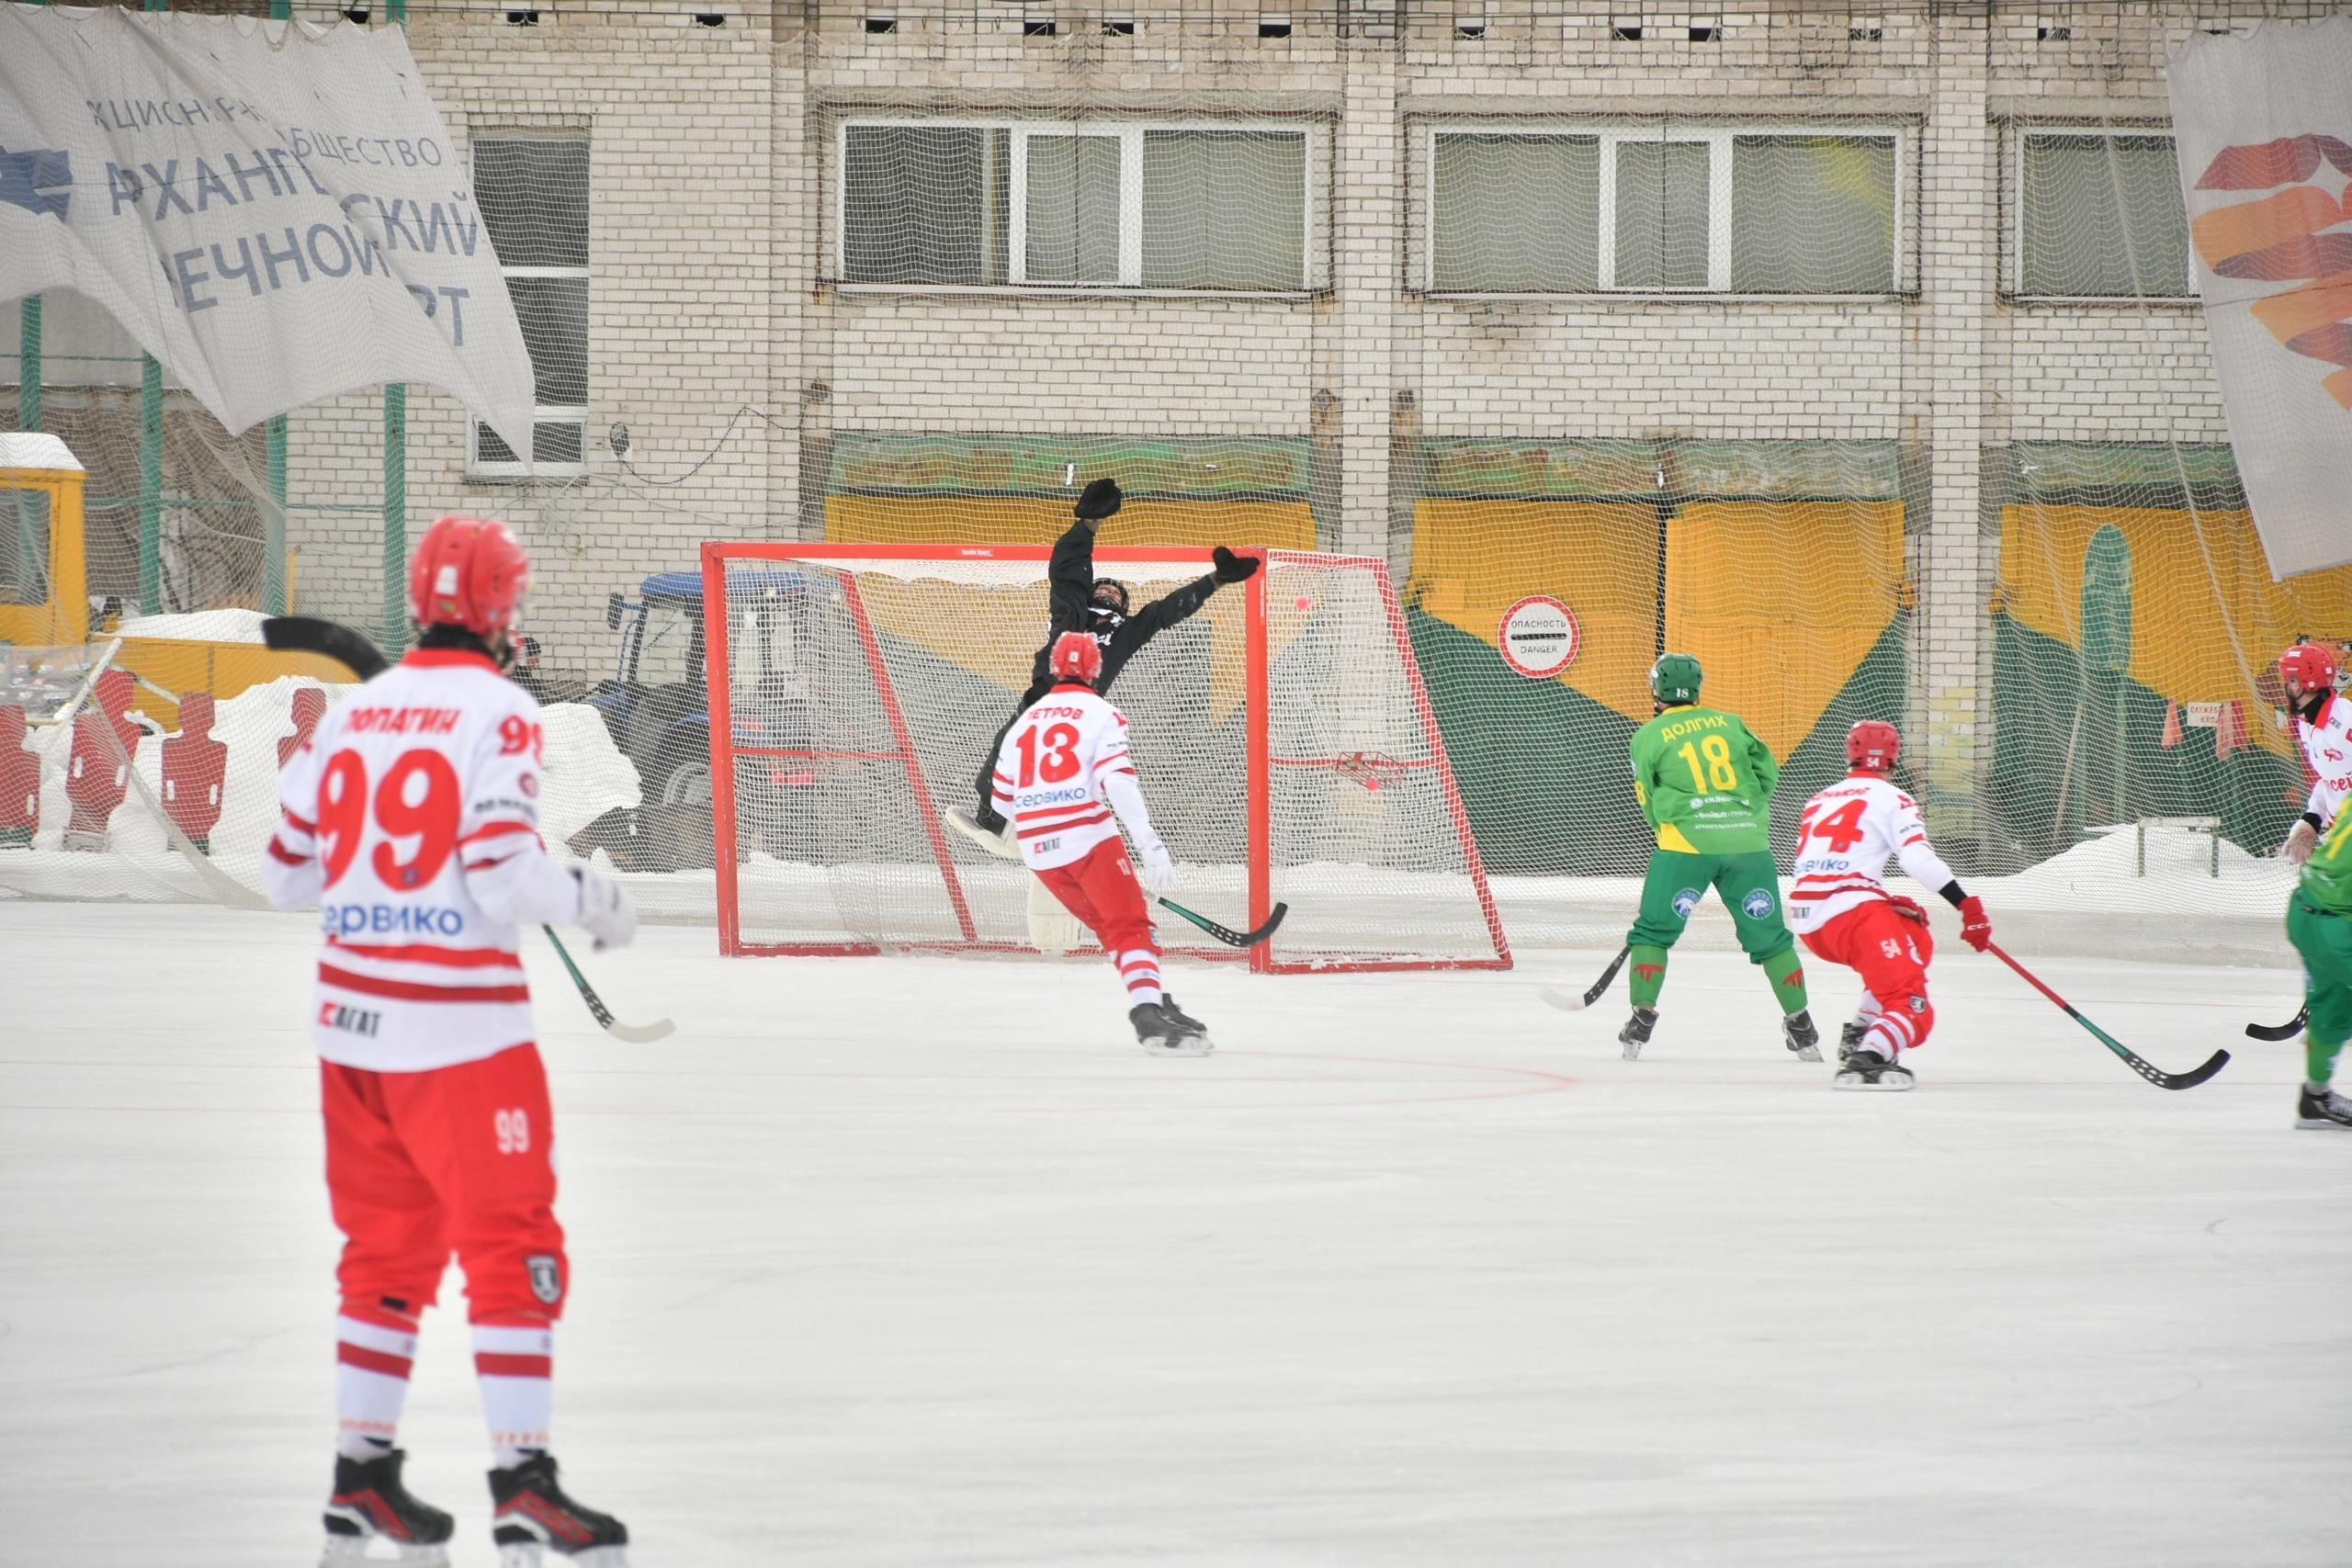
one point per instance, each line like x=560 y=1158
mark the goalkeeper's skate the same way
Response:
x=1868 y=1069
x=1165 y=1030
x=369 y=1503
x=1636 y=1033
x=1803 y=1039
x=999 y=842
x=531 y=1516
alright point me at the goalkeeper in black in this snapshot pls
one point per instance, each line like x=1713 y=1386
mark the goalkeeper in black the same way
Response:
x=1081 y=601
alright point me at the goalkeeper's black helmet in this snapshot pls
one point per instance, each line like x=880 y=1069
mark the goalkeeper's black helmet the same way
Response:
x=1110 y=593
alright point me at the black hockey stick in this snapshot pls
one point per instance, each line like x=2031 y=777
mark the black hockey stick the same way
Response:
x=1567 y=1003
x=2285 y=1031
x=1227 y=934
x=2137 y=1063
x=301 y=633
x=634 y=1033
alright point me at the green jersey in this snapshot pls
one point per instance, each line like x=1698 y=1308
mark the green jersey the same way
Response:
x=2326 y=879
x=1706 y=784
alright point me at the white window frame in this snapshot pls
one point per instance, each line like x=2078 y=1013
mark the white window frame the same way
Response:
x=477 y=466
x=1719 y=138
x=2013 y=265
x=1129 y=134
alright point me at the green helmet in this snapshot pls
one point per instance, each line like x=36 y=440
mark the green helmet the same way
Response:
x=1675 y=678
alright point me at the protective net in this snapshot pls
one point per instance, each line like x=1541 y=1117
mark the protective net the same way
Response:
x=867 y=692
x=1898 y=409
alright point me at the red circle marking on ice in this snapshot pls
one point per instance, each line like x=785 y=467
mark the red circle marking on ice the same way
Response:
x=1539 y=636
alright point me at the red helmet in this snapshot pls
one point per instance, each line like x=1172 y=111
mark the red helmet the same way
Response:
x=469 y=572
x=1076 y=657
x=1873 y=745
x=2307 y=667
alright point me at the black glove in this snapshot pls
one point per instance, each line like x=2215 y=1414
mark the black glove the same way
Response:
x=1099 y=500
x=1232 y=567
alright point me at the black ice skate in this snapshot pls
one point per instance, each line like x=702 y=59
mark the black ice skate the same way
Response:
x=370 y=1503
x=1868 y=1069
x=1803 y=1039
x=531 y=1516
x=2322 y=1107
x=1850 y=1038
x=1636 y=1033
x=1165 y=1030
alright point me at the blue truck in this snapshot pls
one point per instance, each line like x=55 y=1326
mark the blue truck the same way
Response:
x=657 y=709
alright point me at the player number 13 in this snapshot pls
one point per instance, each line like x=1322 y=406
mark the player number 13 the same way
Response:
x=1059 y=761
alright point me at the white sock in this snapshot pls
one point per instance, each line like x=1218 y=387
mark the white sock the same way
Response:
x=517 y=1369
x=1139 y=967
x=372 y=1362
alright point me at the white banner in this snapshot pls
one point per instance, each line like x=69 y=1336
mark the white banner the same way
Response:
x=2263 y=124
x=271 y=209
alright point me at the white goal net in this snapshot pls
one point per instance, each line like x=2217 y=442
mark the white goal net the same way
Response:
x=1286 y=744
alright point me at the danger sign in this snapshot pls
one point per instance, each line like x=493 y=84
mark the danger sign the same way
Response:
x=1538 y=637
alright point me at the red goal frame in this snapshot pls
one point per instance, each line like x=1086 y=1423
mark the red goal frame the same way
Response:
x=718 y=557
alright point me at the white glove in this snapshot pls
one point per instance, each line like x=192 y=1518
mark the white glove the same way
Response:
x=2300 y=840
x=605 y=912
x=1159 y=872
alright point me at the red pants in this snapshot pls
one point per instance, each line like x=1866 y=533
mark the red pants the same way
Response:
x=1101 y=891
x=457 y=1158
x=1891 y=950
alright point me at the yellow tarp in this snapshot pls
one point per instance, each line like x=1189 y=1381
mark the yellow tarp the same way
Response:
x=2207 y=620
x=1780 y=600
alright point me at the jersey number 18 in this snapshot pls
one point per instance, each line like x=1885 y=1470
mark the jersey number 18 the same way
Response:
x=1718 y=772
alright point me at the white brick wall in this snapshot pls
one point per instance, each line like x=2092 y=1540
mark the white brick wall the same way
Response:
x=711 y=295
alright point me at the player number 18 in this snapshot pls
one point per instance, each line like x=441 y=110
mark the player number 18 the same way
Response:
x=1718 y=772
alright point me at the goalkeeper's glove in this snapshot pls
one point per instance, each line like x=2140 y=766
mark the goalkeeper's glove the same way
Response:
x=1099 y=500
x=1232 y=567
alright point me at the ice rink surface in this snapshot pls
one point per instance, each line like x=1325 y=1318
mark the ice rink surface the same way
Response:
x=920 y=1261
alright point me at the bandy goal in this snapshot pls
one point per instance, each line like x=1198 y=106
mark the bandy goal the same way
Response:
x=1286 y=745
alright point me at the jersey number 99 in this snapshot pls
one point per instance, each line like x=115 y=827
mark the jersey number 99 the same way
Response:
x=417 y=799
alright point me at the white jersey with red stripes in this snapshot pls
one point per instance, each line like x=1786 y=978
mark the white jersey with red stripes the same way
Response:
x=2327 y=747
x=1050 y=773
x=1846 y=835
x=428 y=772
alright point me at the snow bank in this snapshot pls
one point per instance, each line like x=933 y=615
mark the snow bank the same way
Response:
x=587 y=776
x=197 y=625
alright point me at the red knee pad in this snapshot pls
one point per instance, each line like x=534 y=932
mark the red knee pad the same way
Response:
x=521 y=1275
x=1910 y=1017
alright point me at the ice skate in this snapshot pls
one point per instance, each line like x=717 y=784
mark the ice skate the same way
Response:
x=1636 y=1033
x=998 y=842
x=1850 y=1038
x=369 y=1503
x=1868 y=1069
x=1803 y=1039
x=2323 y=1109
x=531 y=1517
x=1164 y=1030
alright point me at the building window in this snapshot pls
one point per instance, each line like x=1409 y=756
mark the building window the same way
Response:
x=2100 y=216
x=965 y=204
x=533 y=192
x=1689 y=209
